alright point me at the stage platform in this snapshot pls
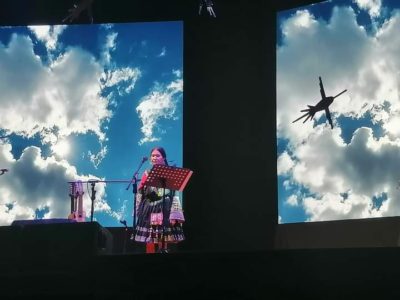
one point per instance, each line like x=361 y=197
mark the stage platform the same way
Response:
x=308 y=274
x=53 y=261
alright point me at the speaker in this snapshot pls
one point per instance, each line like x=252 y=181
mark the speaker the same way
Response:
x=10 y=243
x=62 y=243
x=41 y=221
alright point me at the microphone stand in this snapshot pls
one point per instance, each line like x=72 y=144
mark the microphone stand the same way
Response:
x=72 y=196
x=133 y=182
x=164 y=214
x=125 y=235
x=93 y=197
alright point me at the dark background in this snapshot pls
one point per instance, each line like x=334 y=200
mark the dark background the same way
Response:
x=234 y=244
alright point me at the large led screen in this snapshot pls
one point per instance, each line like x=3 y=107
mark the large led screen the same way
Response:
x=338 y=111
x=85 y=102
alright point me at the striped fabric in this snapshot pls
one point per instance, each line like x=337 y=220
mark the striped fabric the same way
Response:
x=150 y=226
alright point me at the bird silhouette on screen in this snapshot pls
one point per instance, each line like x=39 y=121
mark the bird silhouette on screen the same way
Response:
x=323 y=104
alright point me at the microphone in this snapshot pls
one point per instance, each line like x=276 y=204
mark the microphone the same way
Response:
x=134 y=178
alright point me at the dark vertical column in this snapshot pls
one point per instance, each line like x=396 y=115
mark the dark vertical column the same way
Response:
x=229 y=132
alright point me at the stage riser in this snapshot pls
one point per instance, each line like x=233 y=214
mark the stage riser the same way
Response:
x=290 y=274
x=35 y=243
x=365 y=233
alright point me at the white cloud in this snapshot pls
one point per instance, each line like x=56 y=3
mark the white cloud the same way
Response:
x=48 y=34
x=109 y=46
x=63 y=98
x=177 y=73
x=285 y=163
x=332 y=207
x=67 y=97
x=97 y=158
x=372 y=6
x=61 y=148
x=107 y=26
x=163 y=52
x=160 y=103
x=392 y=125
x=287 y=184
x=338 y=52
x=292 y=200
x=363 y=169
x=117 y=215
x=35 y=182
x=346 y=57
x=124 y=79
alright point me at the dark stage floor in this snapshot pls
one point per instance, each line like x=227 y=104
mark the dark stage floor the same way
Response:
x=36 y=263
x=314 y=274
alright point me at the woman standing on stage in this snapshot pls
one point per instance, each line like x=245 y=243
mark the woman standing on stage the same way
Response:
x=151 y=228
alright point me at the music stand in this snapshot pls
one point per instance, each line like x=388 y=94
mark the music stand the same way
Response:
x=167 y=177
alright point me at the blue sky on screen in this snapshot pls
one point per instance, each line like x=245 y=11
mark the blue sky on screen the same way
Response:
x=351 y=171
x=85 y=102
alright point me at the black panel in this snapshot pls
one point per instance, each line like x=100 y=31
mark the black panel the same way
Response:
x=10 y=243
x=36 y=245
x=229 y=133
